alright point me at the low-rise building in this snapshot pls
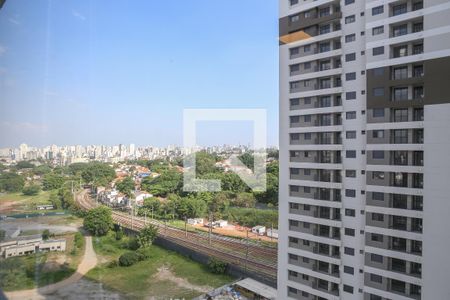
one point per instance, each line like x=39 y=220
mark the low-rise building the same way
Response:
x=259 y=230
x=24 y=245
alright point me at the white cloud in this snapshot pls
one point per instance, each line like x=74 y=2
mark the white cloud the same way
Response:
x=78 y=15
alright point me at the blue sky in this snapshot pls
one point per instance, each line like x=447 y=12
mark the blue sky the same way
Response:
x=110 y=72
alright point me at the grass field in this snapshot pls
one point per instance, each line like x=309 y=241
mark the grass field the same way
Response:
x=164 y=275
x=26 y=272
x=19 y=203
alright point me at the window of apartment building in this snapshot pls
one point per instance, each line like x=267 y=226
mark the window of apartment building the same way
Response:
x=399 y=9
x=350 y=38
x=306 y=207
x=378 y=112
x=401 y=115
x=305 y=260
x=400 y=73
x=349 y=251
x=376 y=278
x=349 y=212
x=348 y=289
x=307 y=189
x=350 y=134
x=350 y=173
x=295 y=119
x=294 y=85
x=377 y=10
x=376 y=237
x=349 y=231
x=350 y=57
x=350 y=76
x=375 y=297
x=400 y=30
x=325 y=29
x=350 y=19
x=417 y=5
x=400 y=51
x=378 y=51
x=307 y=118
x=378 y=134
x=350 y=115
x=378 y=72
x=307 y=136
x=350 y=154
x=325 y=65
x=293 y=188
x=347 y=2
x=293 y=2
x=378 y=154
x=378 y=196
x=307 y=65
x=323 y=12
x=294 y=68
x=417 y=27
x=350 y=95
x=306 y=225
x=376 y=258
x=294 y=102
x=378 y=91
x=350 y=193
x=377 y=217
x=349 y=270
x=400 y=94
x=324 y=47
x=378 y=30
x=294 y=18
x=294 y=51
x=307 y=172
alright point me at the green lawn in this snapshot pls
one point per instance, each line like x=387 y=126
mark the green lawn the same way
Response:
x=26 y=272
x=22 y=203
x=143 y=279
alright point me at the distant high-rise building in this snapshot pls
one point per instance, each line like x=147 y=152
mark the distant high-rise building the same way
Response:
x=364 y=149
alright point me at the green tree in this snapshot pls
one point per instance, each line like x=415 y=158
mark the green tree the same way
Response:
x=216 y=266
x=169 y=181
x=24 y=165
x=11 y=182
x=98 y=174
x=98 y=220
x=247 y=159
x=147 y=235
x=52 y=181
x=55 y=200
x=205 y=163
x=42 y=170
x=129 y=258
x=126 y=186
x=77 y=168
x=245 y=200
x=232 y=182
x=46 y=234
x=31 y=190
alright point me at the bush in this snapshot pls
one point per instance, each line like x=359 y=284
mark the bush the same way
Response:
x=132 y=244
x=45 y=234
x=31 y=190
x=129 y=258
x=216 y=266
x=78 y=240
x=144 y=252
x=119 y=235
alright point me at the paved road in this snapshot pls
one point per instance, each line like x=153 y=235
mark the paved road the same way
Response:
x=89 y=261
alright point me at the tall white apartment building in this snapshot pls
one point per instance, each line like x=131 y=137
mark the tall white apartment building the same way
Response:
x=364 y=150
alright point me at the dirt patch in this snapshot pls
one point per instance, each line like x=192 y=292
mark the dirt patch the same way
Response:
x=165 y=274
x=237 y=231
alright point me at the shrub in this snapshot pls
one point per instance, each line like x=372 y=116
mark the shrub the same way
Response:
x=216 y=266
x=31 y=190
x=132 y=244
x=144 y=252
x=129 y=258
x=119 y=235
x=78 y=240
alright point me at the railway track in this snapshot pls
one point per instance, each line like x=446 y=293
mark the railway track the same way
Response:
x=249 y=256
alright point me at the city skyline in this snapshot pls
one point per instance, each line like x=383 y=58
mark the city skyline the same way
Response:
x=91 y=78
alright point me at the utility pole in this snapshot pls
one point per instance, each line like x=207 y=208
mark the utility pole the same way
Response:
x=271 y=233
x=246 y=251
x=185 y=226
x=210 y=228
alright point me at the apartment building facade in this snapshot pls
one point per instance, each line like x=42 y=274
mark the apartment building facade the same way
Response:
x=364 y=149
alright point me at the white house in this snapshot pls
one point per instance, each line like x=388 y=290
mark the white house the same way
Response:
x=259 y=230
x=272 y=233
x=195 y=221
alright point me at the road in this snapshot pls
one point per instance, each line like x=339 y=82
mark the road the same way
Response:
x=89 y=262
